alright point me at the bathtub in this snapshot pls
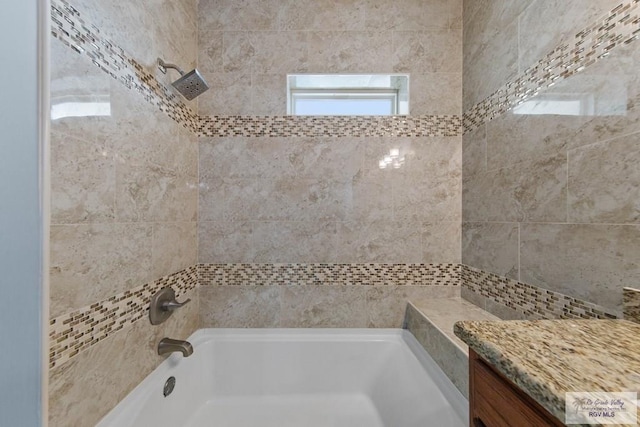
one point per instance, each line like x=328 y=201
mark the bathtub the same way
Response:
x=296 y=377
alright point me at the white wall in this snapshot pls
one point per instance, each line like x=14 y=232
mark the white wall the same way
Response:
x=22 y=213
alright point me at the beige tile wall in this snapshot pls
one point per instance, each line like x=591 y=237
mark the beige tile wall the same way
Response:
x=85 y=389
x=502 y=38
x=122 y=186
x=551 y=200
x=312 y=306
x=324 y=200
x=247 y=47
x=124 y=200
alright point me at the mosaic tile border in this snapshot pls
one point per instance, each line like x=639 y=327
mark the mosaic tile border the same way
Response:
x=330 y=126
x=620 y=26
x=631 y=304
x=532 y=301
x=85 y=39
x=329 y=274
x=74 y=332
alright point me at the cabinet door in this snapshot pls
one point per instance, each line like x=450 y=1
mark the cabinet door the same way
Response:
x=496 y=402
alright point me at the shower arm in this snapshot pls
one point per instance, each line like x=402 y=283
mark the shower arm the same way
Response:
x=162 y=66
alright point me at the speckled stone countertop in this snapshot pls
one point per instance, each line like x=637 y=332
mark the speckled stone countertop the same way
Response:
x=547 y=358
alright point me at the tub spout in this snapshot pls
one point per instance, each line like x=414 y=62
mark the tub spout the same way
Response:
x=168 y=345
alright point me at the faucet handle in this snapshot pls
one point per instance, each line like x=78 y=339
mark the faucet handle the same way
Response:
x=162 y=305
x=172 y=305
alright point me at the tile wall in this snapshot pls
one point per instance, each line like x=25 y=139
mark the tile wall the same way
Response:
x=125 y=185
x=297 y=226
x=503 y=38
x=319 y=295
x=124 y=202
x=550 y=191
x=315 y=194
x=246 y=48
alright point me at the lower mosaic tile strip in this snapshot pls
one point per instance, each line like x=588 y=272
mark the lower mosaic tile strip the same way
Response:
x=631 y=304
x=620 y=27
x=74 y=332
x=329 y=274
x=529 y=300
x=334 y=126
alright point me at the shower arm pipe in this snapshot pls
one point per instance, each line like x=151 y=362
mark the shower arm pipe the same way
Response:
x=162 y=66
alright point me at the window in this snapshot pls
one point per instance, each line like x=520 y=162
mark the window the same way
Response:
x=347 y=94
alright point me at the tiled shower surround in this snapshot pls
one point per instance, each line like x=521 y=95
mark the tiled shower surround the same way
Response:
x=550 y=200
x=123 y=202
x=267 y=220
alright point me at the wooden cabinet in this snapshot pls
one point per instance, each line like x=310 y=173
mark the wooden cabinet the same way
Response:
x=494 y=401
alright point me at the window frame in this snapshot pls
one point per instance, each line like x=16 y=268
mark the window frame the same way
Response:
x=387 y=94
x=393 y=87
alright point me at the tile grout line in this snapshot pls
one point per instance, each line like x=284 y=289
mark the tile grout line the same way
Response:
x=519 y=251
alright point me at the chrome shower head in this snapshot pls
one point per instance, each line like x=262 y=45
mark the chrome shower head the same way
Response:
x=190 y=85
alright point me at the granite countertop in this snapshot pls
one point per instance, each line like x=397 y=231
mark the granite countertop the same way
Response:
x=547 y=358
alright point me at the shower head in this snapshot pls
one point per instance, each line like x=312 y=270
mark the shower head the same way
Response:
x=190 y=85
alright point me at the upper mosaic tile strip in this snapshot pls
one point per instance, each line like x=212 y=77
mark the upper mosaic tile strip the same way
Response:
x=620 y=27
x=85 y=38
x=71 y=29
x=329 y=274
x=532 y=301
x=74 y=332
x=331 y=126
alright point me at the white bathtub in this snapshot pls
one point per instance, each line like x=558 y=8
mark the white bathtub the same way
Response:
x=296 y=377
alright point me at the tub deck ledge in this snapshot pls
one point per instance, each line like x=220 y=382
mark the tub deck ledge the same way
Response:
x=431 y=322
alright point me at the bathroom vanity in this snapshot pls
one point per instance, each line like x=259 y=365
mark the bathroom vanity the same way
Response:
x=520 y=371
